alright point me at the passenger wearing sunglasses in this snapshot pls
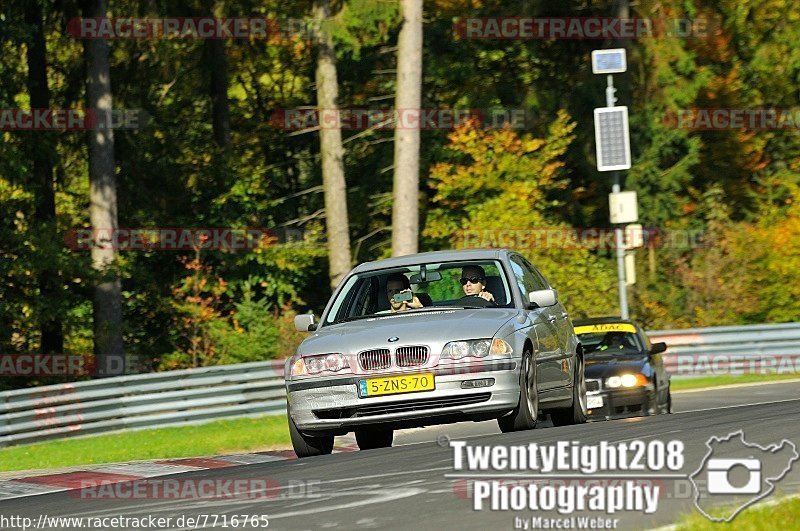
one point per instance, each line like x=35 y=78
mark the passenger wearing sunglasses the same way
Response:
x=473 y=281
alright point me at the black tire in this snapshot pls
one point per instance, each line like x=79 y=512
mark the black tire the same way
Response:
x=669 y=401
x=577 y=413
x=652 y=407
x=526 y=413
x=372 y=438
x=306 y=445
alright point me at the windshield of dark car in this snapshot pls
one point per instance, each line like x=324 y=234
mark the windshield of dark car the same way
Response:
x=434 y=285
x=611 y=343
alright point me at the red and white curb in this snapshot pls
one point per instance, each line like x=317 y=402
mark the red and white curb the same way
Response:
x=109 y=474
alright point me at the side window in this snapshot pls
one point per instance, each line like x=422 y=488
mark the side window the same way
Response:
x=526 y=281
x=539 y=280
x=361 y=298
x=519 y=276
x=343 y=303
x=367 y=299
x=645 y=338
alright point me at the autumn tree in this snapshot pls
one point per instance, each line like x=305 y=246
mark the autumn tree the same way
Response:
x=408 y=99
x=500 y=193
x=108 y=345
x=331 y=150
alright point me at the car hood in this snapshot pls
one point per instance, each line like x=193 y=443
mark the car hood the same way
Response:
x=432 y=328
x=605 y=365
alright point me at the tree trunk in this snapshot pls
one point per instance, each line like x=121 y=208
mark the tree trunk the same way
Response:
x=107 y=309
x=331 y=150
x=43 y=151
x=220 y=112
x=405 y=205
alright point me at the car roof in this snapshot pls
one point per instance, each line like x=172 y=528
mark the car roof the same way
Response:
x=603 y=320
x=435 y=256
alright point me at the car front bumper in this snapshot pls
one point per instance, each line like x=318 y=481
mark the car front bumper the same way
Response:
x=333 y=404
x=620 y=403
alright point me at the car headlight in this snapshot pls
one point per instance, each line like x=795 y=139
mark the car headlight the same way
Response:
x=627 y=380
x=476 y=348
x=316 y=364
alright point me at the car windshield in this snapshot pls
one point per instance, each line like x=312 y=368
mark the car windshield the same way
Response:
x=432 y=285
x=612 y=342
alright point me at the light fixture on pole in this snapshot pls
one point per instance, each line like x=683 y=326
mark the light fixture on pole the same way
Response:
x=613 y=145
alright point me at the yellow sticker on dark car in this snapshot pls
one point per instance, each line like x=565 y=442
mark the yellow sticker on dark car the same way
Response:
x=605 y=327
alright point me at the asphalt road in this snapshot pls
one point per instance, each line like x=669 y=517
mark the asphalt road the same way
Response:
x=405 y=487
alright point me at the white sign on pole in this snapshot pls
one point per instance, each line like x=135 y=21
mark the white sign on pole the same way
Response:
x=630 y=268
x=623 y=207
x=634 y=236
x=611 y=61
x=612 y=138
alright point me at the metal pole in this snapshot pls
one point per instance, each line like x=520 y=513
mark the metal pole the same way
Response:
x=623 y=287
x=616 y=188
x=610 y=90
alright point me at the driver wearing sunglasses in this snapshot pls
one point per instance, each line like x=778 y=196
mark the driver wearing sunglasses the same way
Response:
x=473 y=281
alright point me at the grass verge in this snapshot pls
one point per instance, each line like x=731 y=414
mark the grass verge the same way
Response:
x=214 y=438
x=684 y=384
x=783 y=515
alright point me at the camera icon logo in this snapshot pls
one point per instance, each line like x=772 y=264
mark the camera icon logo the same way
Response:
x=718 y=478
x=736 y=474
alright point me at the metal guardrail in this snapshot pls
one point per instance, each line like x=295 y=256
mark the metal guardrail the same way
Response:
x=182 y=397
x=731 y=349
x=172 y=398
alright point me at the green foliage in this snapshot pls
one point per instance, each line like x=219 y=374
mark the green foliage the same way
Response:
x=503 y=183
x=737 y=186
x=364 y=23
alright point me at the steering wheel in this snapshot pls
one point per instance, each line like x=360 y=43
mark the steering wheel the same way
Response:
x=474 y=300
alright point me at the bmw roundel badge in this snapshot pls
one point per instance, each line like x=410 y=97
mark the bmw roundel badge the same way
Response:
x=393 y=339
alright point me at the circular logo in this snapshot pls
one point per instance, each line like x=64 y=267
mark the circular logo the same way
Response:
x=393 y=339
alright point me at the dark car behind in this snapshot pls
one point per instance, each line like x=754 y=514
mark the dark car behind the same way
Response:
x=625 y=373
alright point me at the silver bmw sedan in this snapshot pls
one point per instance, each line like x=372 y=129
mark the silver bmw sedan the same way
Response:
x=434 y=338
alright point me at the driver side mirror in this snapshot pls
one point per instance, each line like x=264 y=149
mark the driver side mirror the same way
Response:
x=542 y=298
x=658 y=348
x=305 y=322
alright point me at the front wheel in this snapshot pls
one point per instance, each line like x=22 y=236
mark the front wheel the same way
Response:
x=371 y=438
x=526 y=414
x=306 y=445
x=578 y=412
x=669 y=401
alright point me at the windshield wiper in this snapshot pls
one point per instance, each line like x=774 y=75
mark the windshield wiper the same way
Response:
x=356 y=318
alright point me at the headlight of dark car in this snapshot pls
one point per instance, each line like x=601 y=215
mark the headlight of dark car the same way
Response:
x=627 y=380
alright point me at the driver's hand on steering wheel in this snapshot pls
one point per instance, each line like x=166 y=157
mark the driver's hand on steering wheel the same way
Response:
x=485 y=295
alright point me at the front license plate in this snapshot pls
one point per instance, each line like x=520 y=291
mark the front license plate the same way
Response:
x=594 y=401
x=408 y=383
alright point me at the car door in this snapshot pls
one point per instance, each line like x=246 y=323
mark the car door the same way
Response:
x=560 y=318
x=659 y=372
x=545 y=324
